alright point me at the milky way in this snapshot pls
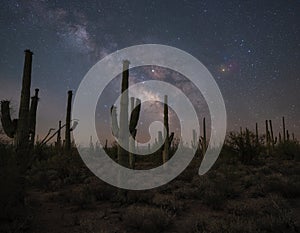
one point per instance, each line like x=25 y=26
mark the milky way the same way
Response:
x=250 y=47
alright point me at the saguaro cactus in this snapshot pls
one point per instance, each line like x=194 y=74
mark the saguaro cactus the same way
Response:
x=134 y=117
x=122 y=153
x=166 y=132
x=22 y=130
x=168 y=137
x=68 y=123
x=203 y=138
x=287 y=135
x=267 y=138
x=283 y=129
x=273 y=140
x=121 y=131
x=256 y=134
x=22 y=134
x=279 y=137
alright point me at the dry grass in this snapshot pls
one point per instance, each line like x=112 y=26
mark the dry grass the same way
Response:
x=146 y=219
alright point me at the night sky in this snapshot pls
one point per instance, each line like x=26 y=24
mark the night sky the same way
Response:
x=252 y=49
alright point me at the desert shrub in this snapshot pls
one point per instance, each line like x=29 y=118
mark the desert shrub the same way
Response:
x=276 y=216
x=286 y=187
x=244 y=146
x=186 y=192
x=143 y=197
x=81 y=196
x=226 y=156
x=288 y=150
x=213 y=193
x=168 y=202
x=146 y=219
x=215 y=224
x=53 y=172
x=102 y=192
x=231 y=223
x=187 y=175
x=249 y=181
x=265 y=170
x=218 y=192
x=277 y=223
x=269 y=214
x=214 y=200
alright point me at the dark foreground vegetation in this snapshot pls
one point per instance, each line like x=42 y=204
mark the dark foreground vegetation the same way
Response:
x=57 y=193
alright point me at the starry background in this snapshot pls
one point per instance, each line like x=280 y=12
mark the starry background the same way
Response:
x=250 y=47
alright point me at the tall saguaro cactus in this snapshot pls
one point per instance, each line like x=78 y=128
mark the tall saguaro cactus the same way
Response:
x=68 y=123
x=122 y=131
x=122 y=153
x=267 y=138
x=273 y=140
x=166 y=132
x=256 y=134
x=134 y=117
x=22 y=130
x=283 y=129
x=203 y=138
x=168 y=137
x=22 y=133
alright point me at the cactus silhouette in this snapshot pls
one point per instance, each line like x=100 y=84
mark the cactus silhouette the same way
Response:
x=256 y=134
x=283 y=129
x=167 y=136
x=22 y=130
x=166 y=132
x=273 y=140
x=267 y=138
x=135 y=114
x=9 y=125
x=120 y=131
x=203 y=138
x=68 y=123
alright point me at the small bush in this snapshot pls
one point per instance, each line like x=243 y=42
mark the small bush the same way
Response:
x=146 y=219
x=288 y=150
x=82 y=197
x=168 y=202
x=288 y=188
x=244 y=146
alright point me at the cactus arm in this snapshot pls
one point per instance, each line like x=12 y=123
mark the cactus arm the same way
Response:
x=134 y=118
x=115 y=126
x=32 y=116
x=8 y=125
x=171 y=139
x=68 y=122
